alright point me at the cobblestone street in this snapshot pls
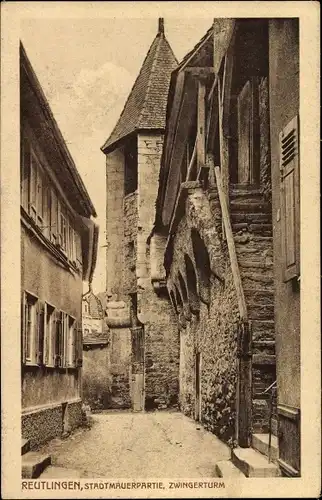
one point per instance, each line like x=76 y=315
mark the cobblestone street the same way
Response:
x=137 y=445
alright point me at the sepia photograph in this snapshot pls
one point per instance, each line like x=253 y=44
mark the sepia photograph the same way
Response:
x=160 y=246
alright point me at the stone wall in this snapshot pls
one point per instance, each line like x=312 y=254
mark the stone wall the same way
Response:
x=120 y=368
x=211 y=331
x=161 y=352
x=42 y=424
x=154 y=311
x=97 y=377
x=130 y=241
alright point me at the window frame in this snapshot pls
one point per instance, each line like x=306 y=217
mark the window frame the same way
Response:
x=30 y=303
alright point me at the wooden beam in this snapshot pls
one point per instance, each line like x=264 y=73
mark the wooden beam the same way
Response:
x=200 y=71
x=177 y=102
x=201 y=126
x=192 y=161
x=231 y=246
x=213 y=86
x=224 y=150
x=226 y=91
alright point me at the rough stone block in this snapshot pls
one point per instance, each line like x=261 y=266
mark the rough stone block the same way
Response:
x=253 y=464
x=226 y=469
x=33 y=464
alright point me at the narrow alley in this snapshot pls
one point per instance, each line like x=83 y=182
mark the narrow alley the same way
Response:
x=134 y=445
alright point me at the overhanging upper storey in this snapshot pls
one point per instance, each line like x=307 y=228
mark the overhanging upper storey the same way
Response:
x=209 y=105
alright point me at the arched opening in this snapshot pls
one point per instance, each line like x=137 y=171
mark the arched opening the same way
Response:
x=203 y=266
x=183 y=288
x=184 y=292
x=192 y=285
x=178 y=299
x=173 y=301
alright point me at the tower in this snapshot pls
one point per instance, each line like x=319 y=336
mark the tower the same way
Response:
x=145 y=348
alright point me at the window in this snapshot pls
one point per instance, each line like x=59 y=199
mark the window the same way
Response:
x=290 y=199
x=130 y=167
x=32 y=330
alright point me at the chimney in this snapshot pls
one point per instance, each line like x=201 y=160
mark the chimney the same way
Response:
x=161 y=25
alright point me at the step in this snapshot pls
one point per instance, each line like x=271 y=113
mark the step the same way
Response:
x=261 y=312
x=250 y=206
x=53 y=472
x=263 y=347
x=33 y=464
x=260 y=443
x=263 y=330
x=254 y=464
x=251 y=218
x=226 y=469
x=25 y=446
x=260 y=359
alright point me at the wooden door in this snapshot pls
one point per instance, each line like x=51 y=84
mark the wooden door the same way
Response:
x=137 y=369
x=197 y=386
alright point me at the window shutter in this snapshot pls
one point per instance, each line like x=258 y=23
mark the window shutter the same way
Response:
x=53 y=216
x=46 y=337
x=79 y=259
x=74 y=355
x=40 y=333
x=58 y=339
x=52 y=339
x=23 y=327
x=79 y=345
x=290 y=199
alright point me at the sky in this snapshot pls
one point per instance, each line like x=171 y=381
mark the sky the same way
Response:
x=86 y=67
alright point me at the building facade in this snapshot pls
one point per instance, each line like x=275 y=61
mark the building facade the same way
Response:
x=58 y=252
x=144 y=340
x=227 y=210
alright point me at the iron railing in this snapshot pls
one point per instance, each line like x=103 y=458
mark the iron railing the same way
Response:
x=272 y=391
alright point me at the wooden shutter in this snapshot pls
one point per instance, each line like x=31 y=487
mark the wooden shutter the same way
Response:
x=79 y=345
x=248 y=134
x=78 y=243
x=52 y=339
x=46 y=337
x=54 y=216
x=23 y=327
x=71 y=343
x=58 y=339
x=290 y=199
x=40 y=324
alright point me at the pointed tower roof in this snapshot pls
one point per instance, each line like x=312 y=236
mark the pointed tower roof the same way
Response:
x=145 y=107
